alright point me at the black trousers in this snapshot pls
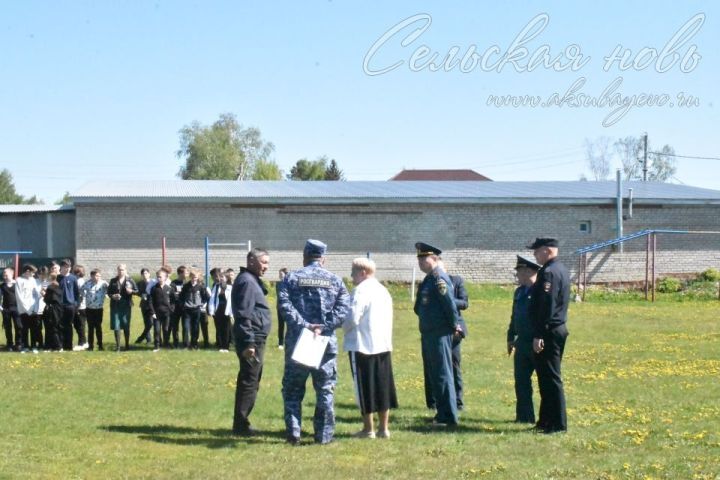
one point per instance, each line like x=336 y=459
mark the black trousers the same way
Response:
x=222 y=327
x=147 y=326
x=281 y=330
x=94 y=321
x=51 y=319
x=457 y=371
x=161 y=327
x=204 y=328
x=66 y=326
x=31 y=331
x=523 y=368
x=12 y=323
x=553 y=416
x=79 y=323
x=248 y=384
x=175 y=317
x=191 y=323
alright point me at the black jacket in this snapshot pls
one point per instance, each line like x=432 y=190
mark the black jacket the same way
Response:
x=160 y=299
x=115 y=287
x=144 y=296
x=250 y=310
x=550 y=298
x=520 y=320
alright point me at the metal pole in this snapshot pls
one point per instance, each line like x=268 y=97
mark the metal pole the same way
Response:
x=412 y=287
x=645 y=169
x=249 y=245
x=207 y=261
x=619 y=200
x=579 y=276
x=163 y=251
x=647 y=266
x=585 y=264
x=654 y=250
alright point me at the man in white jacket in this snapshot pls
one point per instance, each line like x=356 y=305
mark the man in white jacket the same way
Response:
x=368 y=339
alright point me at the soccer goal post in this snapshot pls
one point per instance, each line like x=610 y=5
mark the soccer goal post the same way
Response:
x=247 y=245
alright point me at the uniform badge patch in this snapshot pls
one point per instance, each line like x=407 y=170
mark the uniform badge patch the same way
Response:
x=442 y=286
x=547 y=286
x=314 y=282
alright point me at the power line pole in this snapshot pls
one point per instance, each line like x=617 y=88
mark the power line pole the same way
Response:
x=645 y=169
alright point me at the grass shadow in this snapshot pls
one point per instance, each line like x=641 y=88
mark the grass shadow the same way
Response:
x=208 y=437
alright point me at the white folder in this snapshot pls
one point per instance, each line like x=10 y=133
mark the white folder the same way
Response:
x=310 y=348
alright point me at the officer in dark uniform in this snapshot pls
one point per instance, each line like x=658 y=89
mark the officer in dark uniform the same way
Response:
x=548 y=316
x=439 y=322
x=461 y=302
x=520 y=340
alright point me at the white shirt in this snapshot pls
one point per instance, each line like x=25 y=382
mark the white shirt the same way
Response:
x=368 y=325
x=214 y=300
x=27 y=293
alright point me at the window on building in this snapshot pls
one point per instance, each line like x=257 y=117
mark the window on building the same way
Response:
x=585 y=226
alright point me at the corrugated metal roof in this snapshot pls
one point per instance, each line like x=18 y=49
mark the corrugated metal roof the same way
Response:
x=34 y=208
x=327 y=192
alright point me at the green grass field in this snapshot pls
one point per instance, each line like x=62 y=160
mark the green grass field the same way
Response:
x=641 y=383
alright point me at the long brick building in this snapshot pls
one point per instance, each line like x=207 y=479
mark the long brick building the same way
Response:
x=481 y=225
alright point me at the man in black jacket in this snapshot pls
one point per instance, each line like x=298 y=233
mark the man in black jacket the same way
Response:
x=548 y=316
x=252 y=326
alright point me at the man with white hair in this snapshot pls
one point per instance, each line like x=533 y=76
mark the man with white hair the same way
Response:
x=368 y=341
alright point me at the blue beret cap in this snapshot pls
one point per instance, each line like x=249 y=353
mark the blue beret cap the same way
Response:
x=315 y=248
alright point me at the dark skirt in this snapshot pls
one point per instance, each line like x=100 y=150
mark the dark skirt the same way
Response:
x=374 y=383
x=120 y=312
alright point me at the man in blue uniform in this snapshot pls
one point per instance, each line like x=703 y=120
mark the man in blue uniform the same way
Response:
x=520 y=340
x=549 y=302
x=316 y=299
x=461 y=302
x=439 y=322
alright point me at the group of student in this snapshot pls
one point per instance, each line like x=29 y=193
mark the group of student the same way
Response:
x=44 y=308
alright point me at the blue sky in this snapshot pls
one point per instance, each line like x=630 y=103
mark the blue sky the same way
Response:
x=99 y=90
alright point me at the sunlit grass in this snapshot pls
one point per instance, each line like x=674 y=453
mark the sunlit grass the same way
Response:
x=641 y=381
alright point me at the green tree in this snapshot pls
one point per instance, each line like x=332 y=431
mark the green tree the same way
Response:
x=8 y=194
x=65 y=200
x=333 y=172
x=322 y=168
x=266 y=170
x=224 y=150
x=305 y=169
